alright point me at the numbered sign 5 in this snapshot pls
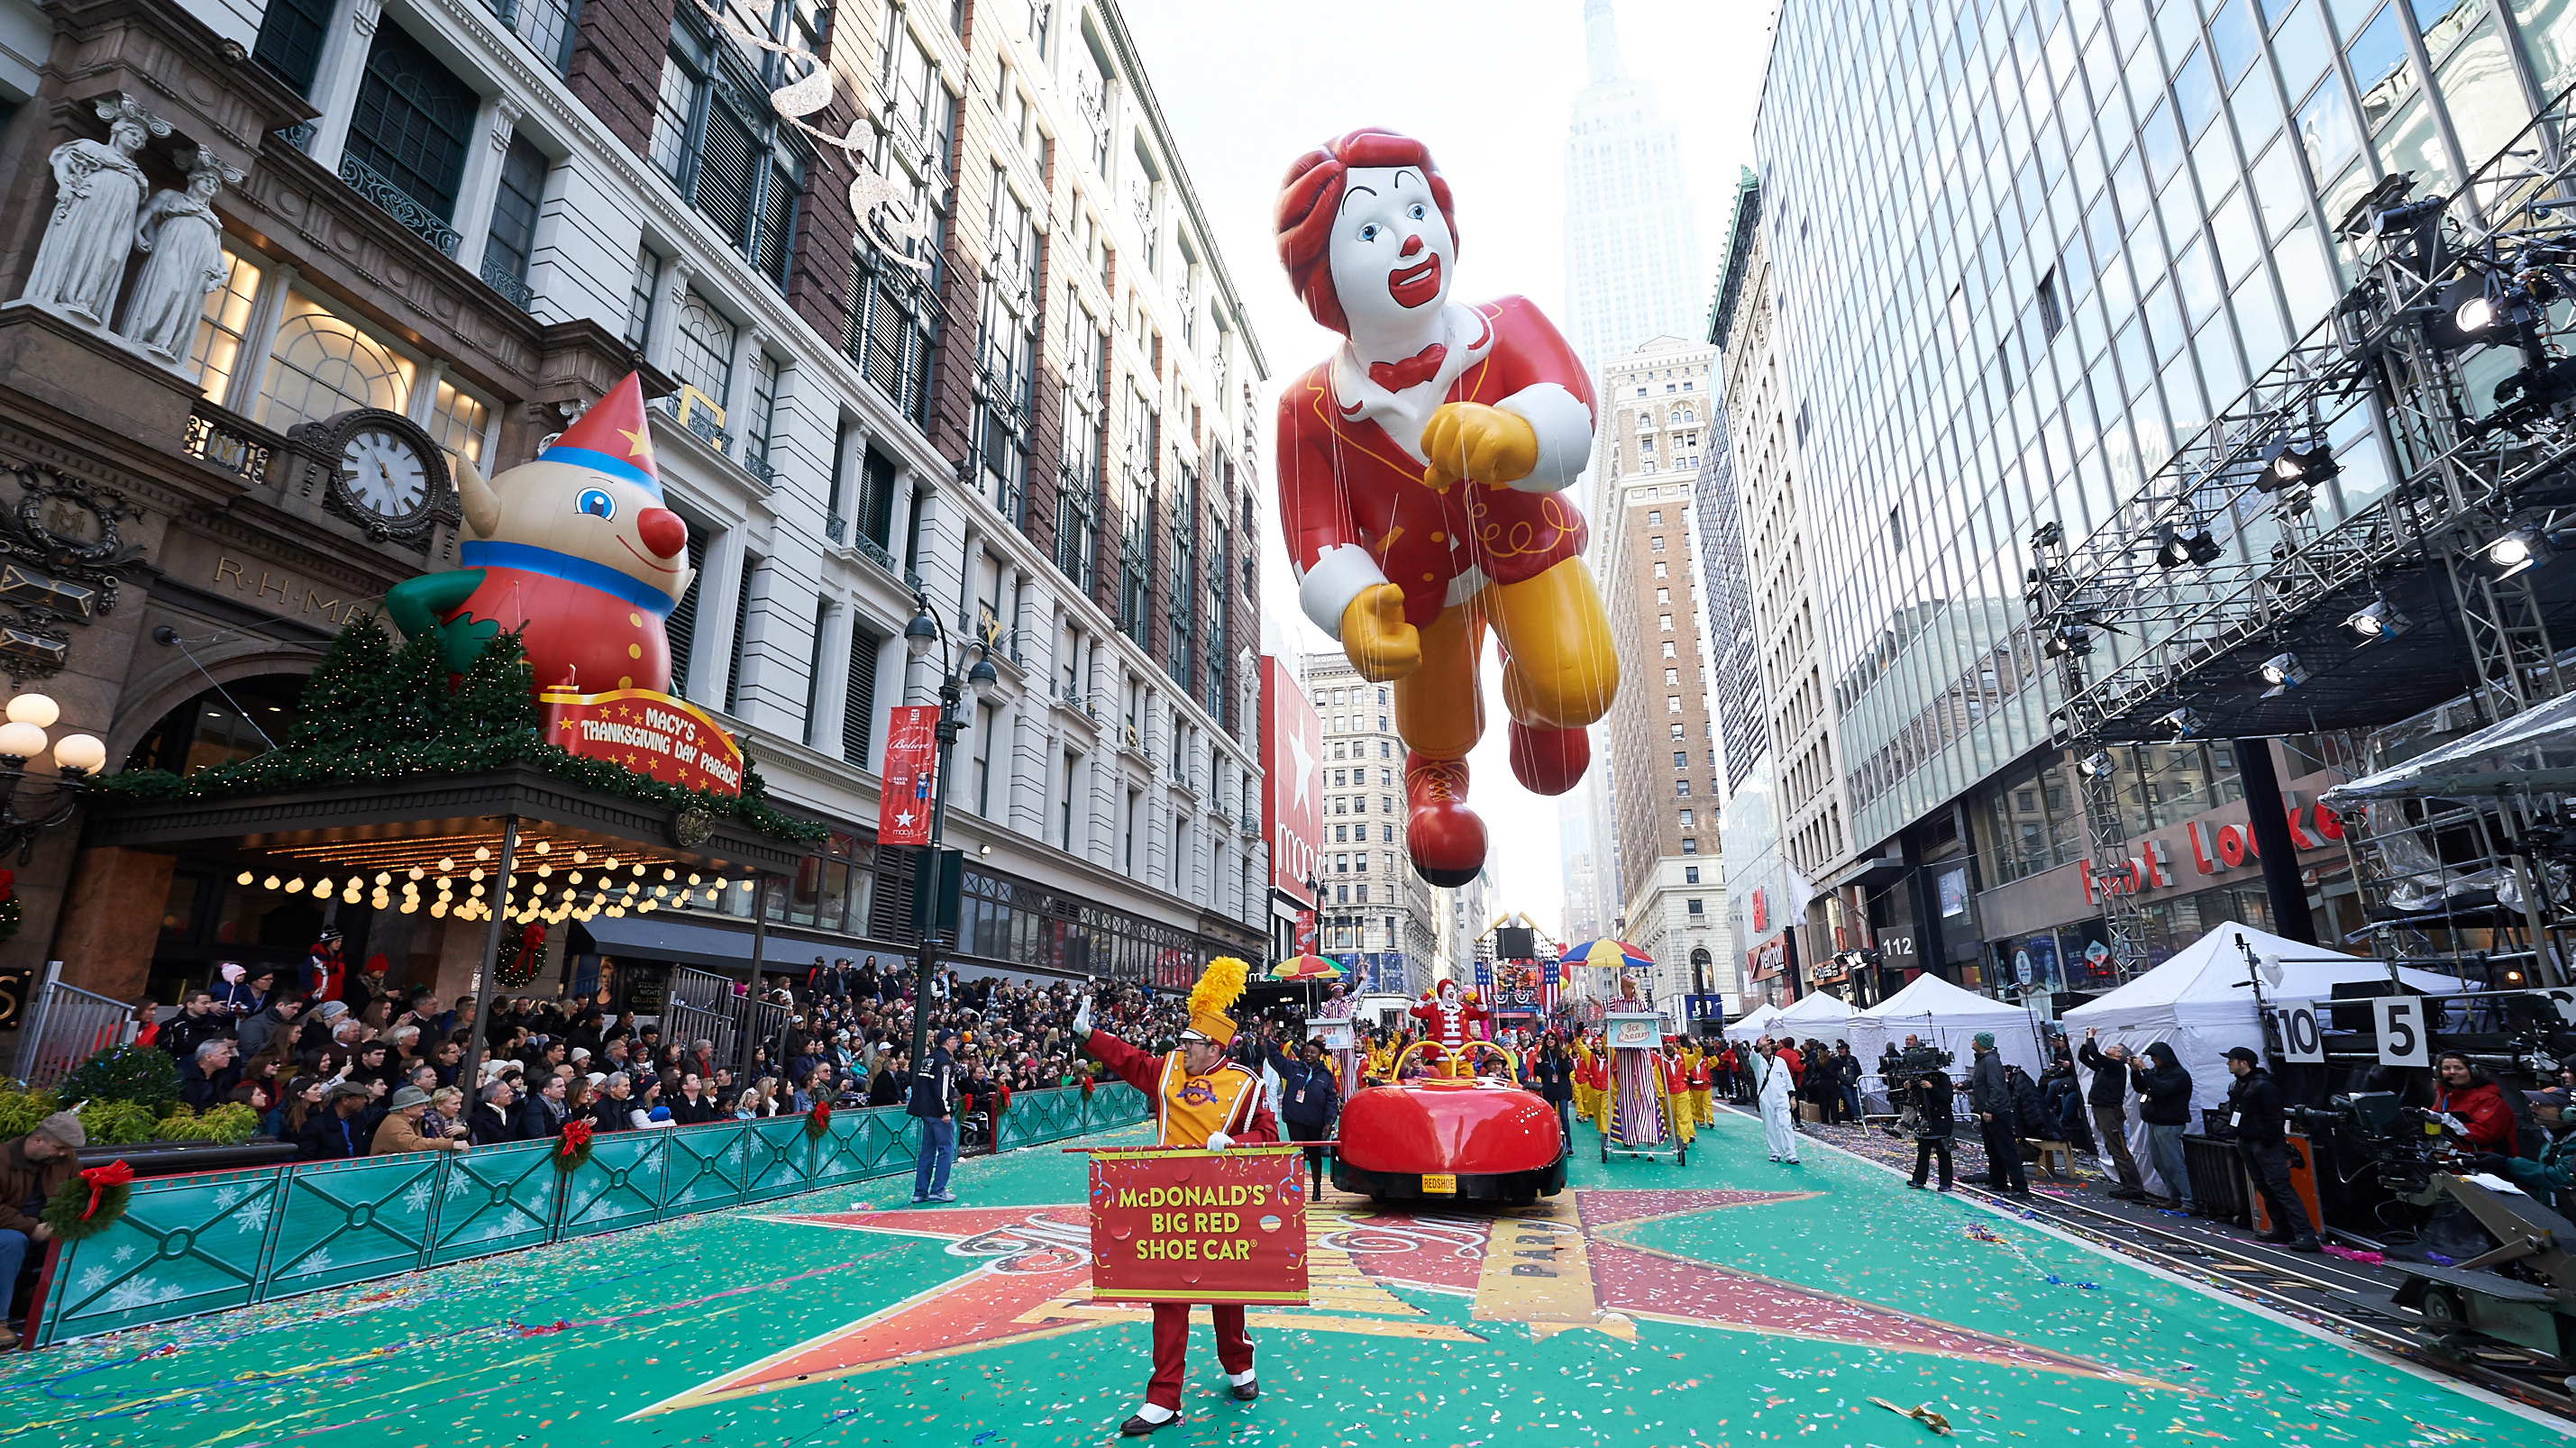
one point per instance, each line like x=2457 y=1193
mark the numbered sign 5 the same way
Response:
x=2401 y=1031
x=2300 y=1038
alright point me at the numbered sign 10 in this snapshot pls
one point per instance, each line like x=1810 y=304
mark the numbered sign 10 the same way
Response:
x=2401 y=1031
x=2301 y=1039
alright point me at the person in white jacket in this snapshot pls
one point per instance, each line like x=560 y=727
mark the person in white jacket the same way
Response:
x=1778 y=1128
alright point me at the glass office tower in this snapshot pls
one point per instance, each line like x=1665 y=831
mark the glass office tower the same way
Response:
x=2021 y=249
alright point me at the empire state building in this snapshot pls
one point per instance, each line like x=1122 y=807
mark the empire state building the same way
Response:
x=1632 y=262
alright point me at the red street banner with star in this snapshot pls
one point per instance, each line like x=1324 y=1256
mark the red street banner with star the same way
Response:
x=1199 y=1226
x=911 y=768
x=650 y=733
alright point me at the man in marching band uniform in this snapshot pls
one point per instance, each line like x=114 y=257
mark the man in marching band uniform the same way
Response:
x=1201 y=1099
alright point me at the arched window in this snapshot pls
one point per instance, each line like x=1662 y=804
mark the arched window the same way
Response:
x=325 y=366
x=702 y=349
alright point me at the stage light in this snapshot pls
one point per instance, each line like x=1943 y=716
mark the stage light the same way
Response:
x=2521 y=549
x=2070 y=638
x=2094 y=765
x=2378 y=620
x=2181 y=723
x=2286 y=463
x=2282 y=672
x=2184 y=544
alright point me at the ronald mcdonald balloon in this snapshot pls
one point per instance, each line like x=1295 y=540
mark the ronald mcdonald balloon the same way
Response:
x=575 y=549
x=1421 y=475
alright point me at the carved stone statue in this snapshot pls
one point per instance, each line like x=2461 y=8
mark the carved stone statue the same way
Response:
x=82 y=257
x=184 y=248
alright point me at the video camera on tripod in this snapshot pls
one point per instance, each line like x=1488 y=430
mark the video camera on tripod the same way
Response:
x=2405 y=1144
x=1914 y=1064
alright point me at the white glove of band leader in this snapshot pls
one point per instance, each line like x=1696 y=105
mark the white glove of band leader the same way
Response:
x=1219 y=1141
x=1082 y=1018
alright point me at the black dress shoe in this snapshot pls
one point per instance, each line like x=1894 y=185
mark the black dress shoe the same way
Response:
x=1138 y=1427
x=1246 y=1392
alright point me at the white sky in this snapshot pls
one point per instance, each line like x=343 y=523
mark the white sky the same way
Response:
x=1247 y=88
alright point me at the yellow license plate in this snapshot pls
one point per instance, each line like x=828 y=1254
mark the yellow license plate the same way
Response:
x=1440 y=1182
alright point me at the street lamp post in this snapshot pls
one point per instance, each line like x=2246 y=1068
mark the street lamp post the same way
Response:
x=920 y=636
x=22 y=738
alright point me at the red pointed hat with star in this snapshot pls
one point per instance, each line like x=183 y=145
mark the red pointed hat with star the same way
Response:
x=612 y=437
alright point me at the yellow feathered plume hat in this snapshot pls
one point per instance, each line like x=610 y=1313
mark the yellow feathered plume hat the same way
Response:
x=1219 y=987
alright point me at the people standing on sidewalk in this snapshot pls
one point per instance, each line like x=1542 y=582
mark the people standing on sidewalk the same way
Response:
x=2255 y=1109
x=2165 y=1107
x=1990 y=1096
x=1927 y=1104
x=2109 y=1100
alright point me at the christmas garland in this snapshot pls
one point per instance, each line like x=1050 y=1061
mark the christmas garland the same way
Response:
x=818 y=1122
x=90 y=1202
x=572 y=1147
x=372 y=712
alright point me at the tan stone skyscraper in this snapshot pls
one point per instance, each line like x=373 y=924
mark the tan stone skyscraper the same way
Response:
x=1663 y=778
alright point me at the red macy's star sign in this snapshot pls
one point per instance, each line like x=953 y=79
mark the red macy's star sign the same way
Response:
x=1568 y=1264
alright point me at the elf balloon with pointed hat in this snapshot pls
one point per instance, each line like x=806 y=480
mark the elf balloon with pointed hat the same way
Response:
x=575 y=550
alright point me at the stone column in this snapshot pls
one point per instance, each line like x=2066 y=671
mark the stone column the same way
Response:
x=480 y=187
x=671 y=290
x=832 y=681
x=337 y=76
x=720 y=590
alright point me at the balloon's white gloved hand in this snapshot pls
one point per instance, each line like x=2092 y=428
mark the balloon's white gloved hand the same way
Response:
x=1219 y=1141
x=1082 y=1017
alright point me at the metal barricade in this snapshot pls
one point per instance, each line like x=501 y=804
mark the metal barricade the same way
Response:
x=703 y=1007
x=66 y=1026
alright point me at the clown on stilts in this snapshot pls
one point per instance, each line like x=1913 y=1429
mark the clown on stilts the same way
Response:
x=1204 y=1100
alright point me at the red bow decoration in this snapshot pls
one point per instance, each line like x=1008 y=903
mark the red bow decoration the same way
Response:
x=1413 y=371
x=100 y=1178
x=822 y=1114
x=576 y=1135
x=1086 y=1088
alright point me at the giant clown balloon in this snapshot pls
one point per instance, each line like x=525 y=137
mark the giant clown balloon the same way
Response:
x=575 y=549
x=1422 y=469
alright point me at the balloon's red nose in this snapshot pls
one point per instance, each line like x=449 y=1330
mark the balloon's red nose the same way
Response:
x=1412 y=244
x=663 y=531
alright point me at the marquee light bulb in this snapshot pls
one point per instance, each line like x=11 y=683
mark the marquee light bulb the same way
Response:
x=447 y=862
x=438 y=911
x=384 y=877
x=417 y=873
x=269 y=884
x=242 y=879
x=581 y=857
x=545 y=847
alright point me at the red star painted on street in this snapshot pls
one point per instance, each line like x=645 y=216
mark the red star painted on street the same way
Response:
x=1568 y=1264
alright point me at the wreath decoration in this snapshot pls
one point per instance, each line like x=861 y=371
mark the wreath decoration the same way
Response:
x=818 y=1122
x=521 y=964
x=90 y=1202
x=572 y=1147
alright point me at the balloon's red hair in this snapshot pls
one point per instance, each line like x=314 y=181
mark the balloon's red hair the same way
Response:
x=1311 y=197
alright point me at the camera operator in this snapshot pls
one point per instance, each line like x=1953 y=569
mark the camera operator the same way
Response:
x=2109 y=1100
x=2551 y=1177
x=2473 y=1101
x=2254 y=1109
x=1927 y=1097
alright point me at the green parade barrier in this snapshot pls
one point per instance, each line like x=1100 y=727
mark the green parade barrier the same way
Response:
x=702 y=1168
x=777 y=1154
x=186 y=1245
x=620 y=1186
x=349 y=1221
x=189 y=1245
x=495 y=1200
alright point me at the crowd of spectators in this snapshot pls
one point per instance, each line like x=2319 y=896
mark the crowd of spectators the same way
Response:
x=343 y=1065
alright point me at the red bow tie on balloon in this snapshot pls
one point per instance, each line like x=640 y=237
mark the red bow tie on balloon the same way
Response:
x=1413 y=371
x=100 y=1178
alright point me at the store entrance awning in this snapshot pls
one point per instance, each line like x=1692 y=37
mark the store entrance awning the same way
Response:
x=658 y=937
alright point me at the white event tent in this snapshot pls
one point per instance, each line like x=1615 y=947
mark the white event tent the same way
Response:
x=1820 y=1014
x=1949 y=1017
x=1752 y=1025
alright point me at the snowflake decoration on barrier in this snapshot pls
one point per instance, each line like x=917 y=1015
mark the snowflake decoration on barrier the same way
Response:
x=417 y=1198
x=92 y=1280
x=252 y=1218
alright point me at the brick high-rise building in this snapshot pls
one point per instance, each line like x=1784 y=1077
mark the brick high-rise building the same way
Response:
x=1657 y=419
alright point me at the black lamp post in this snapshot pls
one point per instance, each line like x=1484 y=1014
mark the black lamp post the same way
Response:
x=920 y=636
